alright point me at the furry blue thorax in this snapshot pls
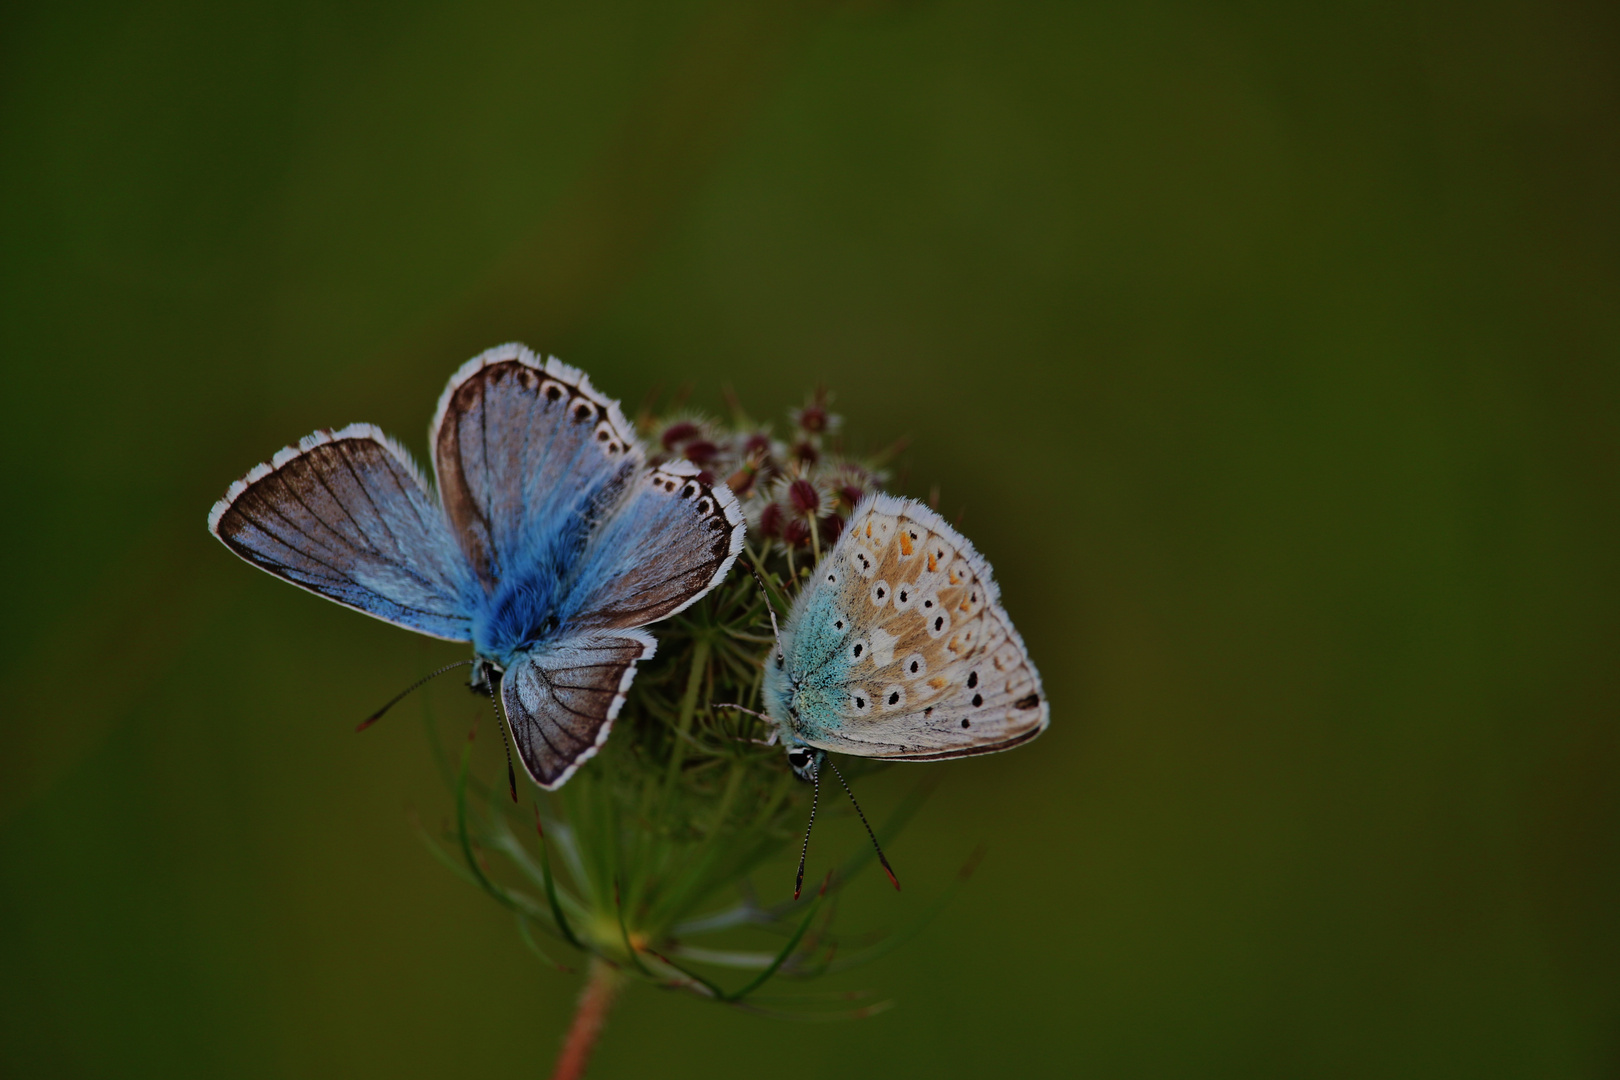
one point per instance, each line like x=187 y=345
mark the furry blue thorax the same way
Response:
x=534 y=604
x=803 y=696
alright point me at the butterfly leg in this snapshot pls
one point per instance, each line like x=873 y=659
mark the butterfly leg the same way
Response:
x=775 y=732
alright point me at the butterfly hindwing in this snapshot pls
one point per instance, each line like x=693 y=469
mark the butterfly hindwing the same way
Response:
x=562 y=702
x=346 y=514
x=905 y=647
x=672 y=542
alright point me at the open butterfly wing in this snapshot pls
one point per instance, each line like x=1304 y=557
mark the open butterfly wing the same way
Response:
x=346 y=514
x=530 y=459
x=914 y=654
x=537 y=468
x=561 y=701
x=670 y=543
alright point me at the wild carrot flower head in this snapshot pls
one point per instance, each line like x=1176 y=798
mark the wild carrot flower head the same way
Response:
x=656 y=845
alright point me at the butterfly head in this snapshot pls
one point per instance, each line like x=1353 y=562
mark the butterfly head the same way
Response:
x=486 y=676
x=805 y=761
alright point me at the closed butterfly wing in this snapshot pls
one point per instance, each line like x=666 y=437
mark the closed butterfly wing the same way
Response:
x=347 y=515
x=906 y=651
x=561 y=701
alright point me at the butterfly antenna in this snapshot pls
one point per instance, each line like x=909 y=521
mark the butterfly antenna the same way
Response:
x=815 y=798
x=770 y=609
x=403 y=694
x=500 y=725
x=887 y=869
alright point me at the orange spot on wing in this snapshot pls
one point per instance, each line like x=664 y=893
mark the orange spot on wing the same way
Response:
x=937 y=682
x=905 y=542
x=869 y=528
x=933 y=562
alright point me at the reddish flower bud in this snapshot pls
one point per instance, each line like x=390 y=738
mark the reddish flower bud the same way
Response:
x=806 y=453
x=831 y=528
x=803 y=495
x=770 y=520
x=757 y=443
x=813 y=419
x=851 y=493
x=796 y=532
x=677 y=433
x=741 y=482
x=701 y=452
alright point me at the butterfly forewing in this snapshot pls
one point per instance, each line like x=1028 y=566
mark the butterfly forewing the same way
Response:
x=522 y=447
x=931 y=666
x=345 y=514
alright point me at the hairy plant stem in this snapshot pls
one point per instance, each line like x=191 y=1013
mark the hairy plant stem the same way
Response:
x=601 y=988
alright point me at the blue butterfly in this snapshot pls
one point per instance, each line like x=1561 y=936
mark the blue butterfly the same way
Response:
x=550 y=543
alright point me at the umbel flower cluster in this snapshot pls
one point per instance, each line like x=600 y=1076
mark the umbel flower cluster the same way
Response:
x=644 y=861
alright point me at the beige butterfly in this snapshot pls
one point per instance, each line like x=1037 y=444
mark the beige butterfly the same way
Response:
x=899 y=649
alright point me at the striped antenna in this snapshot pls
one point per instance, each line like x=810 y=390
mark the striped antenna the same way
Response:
x=500 y=723
x=403 y=694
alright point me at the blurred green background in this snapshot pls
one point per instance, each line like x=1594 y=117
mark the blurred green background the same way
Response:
x=1271 y=351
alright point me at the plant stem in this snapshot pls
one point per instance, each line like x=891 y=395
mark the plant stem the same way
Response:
x=601 y=987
